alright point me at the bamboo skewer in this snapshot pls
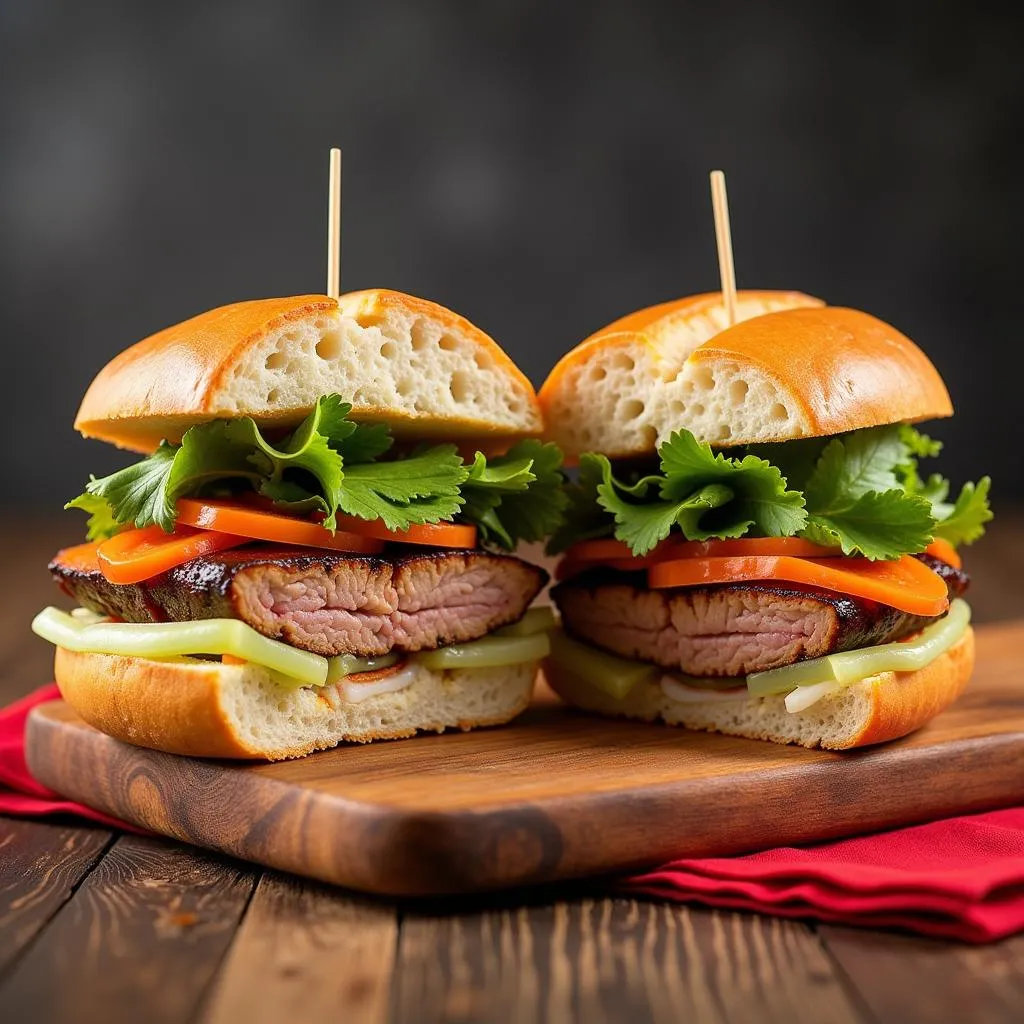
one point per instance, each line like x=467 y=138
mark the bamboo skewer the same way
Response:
x=723 y=236
x=334 y=226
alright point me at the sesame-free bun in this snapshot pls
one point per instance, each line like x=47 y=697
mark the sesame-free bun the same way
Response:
x=423 y=369
x=874 y=710
x=790 y=367
x=209 y=709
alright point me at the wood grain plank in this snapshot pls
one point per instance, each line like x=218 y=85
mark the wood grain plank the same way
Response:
x=309 y=952
x=601 y=961
x=903 y=979
x=40 y=867
x=139 y=940
x=553 y=795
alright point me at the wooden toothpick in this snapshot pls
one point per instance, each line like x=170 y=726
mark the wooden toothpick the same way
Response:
x=334 y=226
x=726 y=269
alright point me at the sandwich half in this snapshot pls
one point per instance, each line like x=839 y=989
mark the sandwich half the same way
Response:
x=750 y=545
x=316 y=544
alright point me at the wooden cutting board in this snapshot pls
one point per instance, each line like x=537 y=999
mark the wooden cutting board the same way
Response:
x=554 y=795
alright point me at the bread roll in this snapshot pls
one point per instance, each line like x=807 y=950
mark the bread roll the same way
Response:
x=789 y=368
x=209 y=709
x=874 y=710
x=423 y=369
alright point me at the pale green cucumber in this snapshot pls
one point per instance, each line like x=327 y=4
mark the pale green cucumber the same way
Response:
x=349 y=665
x=851 y=666
x=536 y=620
x=174 y=639
x=488 y=652
x=606 y=672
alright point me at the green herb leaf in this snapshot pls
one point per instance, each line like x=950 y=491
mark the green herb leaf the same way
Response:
x=705 y=495
x=936 y=490
x=306 y=450
x=878 y=525
x=795 y=459
x=423 y=488
x=643 y=526
x=856 y=499
x=102 y=523
x=583 y=518
x=853 y=465
x=328 y=462
x=919 y=445
x=138 y=494
x=330 y=418
x=861 y=492
x=518 y=496
x=760 y=497
x=368 y=441
x=965 y=522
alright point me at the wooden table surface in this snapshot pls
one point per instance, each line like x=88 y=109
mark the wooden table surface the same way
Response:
x=96 y=926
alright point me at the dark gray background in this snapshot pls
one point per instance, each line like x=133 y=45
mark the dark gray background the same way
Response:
x=540 y=167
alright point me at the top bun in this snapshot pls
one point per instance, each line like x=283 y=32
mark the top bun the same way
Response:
x=790 y=367
x=423 y=369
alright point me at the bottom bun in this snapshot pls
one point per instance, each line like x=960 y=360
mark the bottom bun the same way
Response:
x=880 y=708
x=208 y=709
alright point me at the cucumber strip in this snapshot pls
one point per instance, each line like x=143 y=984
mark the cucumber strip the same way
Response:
x=851 y=666
x=777 y=681
x=936 y=639
x=488 y=652
x=348 y=664
x=536 y=620
x=174 y=639
x=606 y=672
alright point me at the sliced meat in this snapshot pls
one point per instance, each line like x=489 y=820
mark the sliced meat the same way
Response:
x=325 y=602
x=729 y=629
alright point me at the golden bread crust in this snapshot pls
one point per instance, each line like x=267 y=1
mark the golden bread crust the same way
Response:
x=846 y=368
x=183 y=706
x=791 y=367
x=901 y=702
x=647 y=326
x=200 y=370
x=177 y=372
x=895 y=704
x=172 y=706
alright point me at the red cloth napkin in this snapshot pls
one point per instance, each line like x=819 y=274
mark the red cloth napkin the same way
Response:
x=961 y=879
x=20 y=793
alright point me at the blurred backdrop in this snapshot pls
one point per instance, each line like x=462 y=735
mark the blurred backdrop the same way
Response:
x=540 y=167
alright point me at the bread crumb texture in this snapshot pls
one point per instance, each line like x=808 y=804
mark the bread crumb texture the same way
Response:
x=624 y=393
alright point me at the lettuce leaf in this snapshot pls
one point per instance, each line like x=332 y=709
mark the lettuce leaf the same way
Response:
x=582 y=517
x=877 y=525
x=516 y=496
x=704 y=494
x=423 y=488
x=965 y=521
x=330 y=463
x=101 y=523
x=860 y=491
x=855 y=499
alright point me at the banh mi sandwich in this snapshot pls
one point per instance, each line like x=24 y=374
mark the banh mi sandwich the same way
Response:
x=751 y=546
x=314 y=546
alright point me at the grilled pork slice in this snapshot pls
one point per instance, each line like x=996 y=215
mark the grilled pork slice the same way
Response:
x=730 y=629
x=325 y=602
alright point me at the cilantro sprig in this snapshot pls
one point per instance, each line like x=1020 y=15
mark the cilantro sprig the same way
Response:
x=704 y=494
x=329 y=464
x=516 y=496
x=861 y=492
